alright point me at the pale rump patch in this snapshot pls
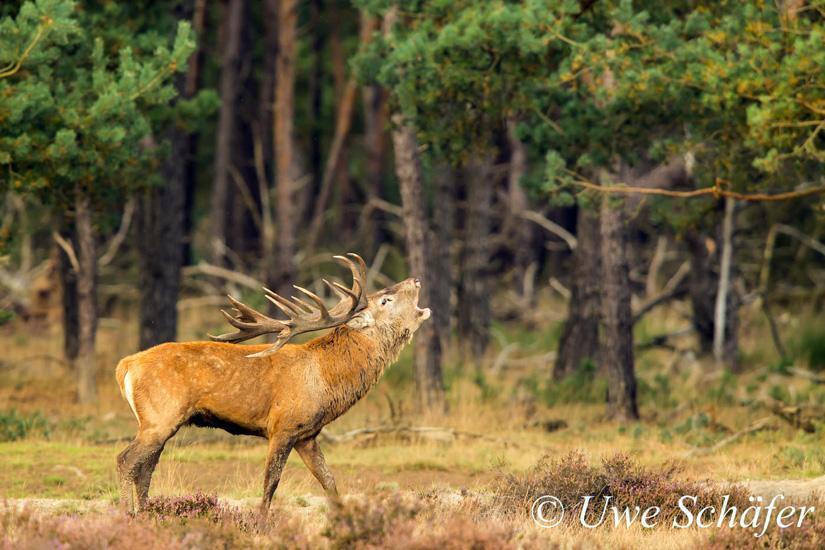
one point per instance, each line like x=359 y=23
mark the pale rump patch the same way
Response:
x=129 y=391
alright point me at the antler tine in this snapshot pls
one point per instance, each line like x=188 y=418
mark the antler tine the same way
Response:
x=287 y=307
x=249 y=322
x=333 y=288
x=308 y=308
x=344 y=291
x=317 y=299
x=359 y=276
x=362 y=265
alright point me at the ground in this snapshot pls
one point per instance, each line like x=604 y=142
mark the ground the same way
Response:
x=59 y=457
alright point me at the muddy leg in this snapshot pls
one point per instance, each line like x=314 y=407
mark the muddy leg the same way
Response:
x=312 y=456
x=279 y=450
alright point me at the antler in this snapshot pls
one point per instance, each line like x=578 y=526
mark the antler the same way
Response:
x=302 y=316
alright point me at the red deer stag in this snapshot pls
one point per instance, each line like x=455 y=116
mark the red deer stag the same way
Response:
x=283 y=392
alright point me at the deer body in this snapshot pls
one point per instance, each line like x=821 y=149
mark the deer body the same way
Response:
x=287 y=396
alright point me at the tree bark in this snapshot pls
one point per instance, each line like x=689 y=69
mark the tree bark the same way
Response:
x=474 y=296
x=703 y=286
x=616 y=330
x=86 y=300
x=442 y=238
x=518 y=230
x=428 y=377
x=161 y=220
x=724 y=282
x=579 y=342
x=375 y=119
x=226 y=130
x=316 y=92
x=283 y=274
x=336 y=165
x=188 y=156
x=68 y=282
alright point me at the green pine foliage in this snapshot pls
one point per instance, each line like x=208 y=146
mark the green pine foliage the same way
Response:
x=79 y=96
x=738 y=83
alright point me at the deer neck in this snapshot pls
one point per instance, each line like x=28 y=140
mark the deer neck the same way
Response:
x=351 y=363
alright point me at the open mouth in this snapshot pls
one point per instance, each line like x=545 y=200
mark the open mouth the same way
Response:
x=424 y=313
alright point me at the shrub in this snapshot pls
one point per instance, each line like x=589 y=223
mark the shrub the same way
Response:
x=810 y=346
x=366 y=523
x=571 y=478
x=411 y=523
x=810 y=536
x=14 y=425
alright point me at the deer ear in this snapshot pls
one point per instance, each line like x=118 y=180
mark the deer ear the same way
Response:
x=361 y=321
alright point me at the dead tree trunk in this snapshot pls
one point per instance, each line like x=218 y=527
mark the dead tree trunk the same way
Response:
x=226 y=129
x=474 y=296
x=86 y=300
x=283 y=272
x=428 y=377
x=579 y=341
x=616 y=326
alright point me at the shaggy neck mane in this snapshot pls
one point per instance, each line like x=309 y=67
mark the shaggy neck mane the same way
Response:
x=353 y=362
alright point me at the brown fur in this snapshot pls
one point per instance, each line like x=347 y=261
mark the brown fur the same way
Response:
x=286 y=397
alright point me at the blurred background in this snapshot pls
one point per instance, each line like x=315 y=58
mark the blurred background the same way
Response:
x=612 y=206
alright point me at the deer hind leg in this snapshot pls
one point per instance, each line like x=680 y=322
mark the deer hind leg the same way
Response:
x=137 y=463
x=311 y=454
x=127 y=473
x=279 y=450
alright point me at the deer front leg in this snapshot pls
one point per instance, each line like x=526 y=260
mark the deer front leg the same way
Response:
x=279 y=450
x=312 y=456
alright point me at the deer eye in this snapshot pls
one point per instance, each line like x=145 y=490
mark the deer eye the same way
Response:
x=385 y=301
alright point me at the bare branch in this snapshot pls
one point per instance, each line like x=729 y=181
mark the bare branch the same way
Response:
x=120 y=236
x=550 y=226
x=68 y=249
x=671 y=290
x=204 y=268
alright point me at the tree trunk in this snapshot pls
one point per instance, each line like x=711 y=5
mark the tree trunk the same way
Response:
x=616 y=330
x=283 y=274
x=189 y=154
x=703 y=286
x=160 y=219
x=316 y=93
x=428 y=377
x=375 y=118
x=474 y=296
x=579 y=342
x=720 y=309
x=68 y=282
x=226 y=130
x=517 y=229
x=86 y=300
x=442 y=238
